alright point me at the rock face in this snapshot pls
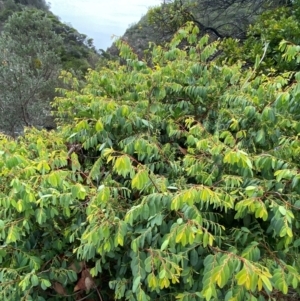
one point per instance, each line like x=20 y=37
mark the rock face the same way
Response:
x=138 y=37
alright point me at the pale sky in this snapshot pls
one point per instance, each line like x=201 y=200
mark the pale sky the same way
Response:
x=101 y=19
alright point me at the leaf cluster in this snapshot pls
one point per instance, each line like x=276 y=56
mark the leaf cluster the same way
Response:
x=270 y=29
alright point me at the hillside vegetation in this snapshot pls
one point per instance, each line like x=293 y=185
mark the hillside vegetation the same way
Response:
x=34 y=47
x=173 y=177
x=77 y=51
x=217 y=18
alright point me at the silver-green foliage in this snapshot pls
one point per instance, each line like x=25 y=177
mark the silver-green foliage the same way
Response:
x=28 y=70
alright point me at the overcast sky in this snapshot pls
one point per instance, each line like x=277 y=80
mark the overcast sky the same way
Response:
x=100 y=19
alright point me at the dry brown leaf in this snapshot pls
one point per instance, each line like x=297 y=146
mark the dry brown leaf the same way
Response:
x=89 y=283
x=77 y=266
x=182 y=150
x=80 y=285
x=86 y=281
x=59 y=288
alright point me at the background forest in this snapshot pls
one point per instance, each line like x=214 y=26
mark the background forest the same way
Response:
x=169 y=169
x=34 y=47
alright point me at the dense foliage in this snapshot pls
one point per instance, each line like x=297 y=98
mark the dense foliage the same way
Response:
x=269 y=30
x=175 y=179
x=8 y=7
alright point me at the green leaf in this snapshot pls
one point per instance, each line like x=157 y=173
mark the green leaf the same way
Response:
x=123 y=166
x=136 y=284
x=282 y=210
x=266 y=282
x=164 y=245
x=99 y=126
x=34 y=280
x=45 y=283
x=52 y=179
x=41 y=215
x=13 y=234
x=194 y=257
x=140 y=180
